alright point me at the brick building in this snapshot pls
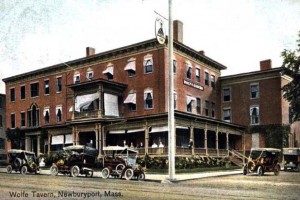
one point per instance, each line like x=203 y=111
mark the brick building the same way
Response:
x=2 y=128
x=255 y=98
x=119 y=97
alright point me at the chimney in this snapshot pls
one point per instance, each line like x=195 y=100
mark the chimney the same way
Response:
x=265 y=65
x=90 y=51
x=202 y=53
x=178 y=31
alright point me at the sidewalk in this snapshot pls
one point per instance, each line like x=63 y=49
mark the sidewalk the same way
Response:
x=163 y=177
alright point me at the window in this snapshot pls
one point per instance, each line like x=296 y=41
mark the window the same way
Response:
x=23 y=120
x=198 y=107
x=58 y=114
x=188 y=70
x=23 y=92
x=148 y=64
x=254 y=115
x=213 y=81
x=174 y=66
x=226 y=94
x=47 y=87
x=197 y=74
x=131 y=101
x=46 y=115
x=34 y=89
x=76 y=78
x=213 y=109
x=109 y=72
x=206 y=108
x=254 y=91
x=130 y=67
x=227 y=115
x=58 y=84
x=90 y=75
x=33 y=116
x=189 y=103
x=12 y=94
x=206 y=78
x=12 y=120
x=148 y=97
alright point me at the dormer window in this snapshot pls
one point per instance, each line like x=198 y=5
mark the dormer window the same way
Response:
x=76 y=78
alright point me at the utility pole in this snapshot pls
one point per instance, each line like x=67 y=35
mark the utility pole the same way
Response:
x=171 y=117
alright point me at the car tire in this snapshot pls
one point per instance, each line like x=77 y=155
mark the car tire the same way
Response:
x=18 y=162
x=9 y=169
x=23 y=170
x=105 y=173
x=75 y=171
x=276 y=170
x=129 y=173
x=260 y=171
x=120 y=168
x=141 y=176
x=53 y=170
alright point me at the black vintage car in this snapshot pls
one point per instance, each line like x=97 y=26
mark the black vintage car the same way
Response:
x=75 y=160
x=22 y=161
x=119 y=162
x=291 y=157
x=263 y=160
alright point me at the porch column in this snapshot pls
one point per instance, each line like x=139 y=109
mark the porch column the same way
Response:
x=146 y=139
x=49 y=143
x=103 y=134
x=205 y=140
x=38 y=145
x=244 y=147
x=27 y=143
x=227 y=142
x=76 y=136
x=217 y=141
x=192 y=140
x=99 y=139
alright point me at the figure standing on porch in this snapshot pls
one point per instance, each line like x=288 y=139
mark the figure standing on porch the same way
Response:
x=131 y=145
x=141 y=145
x=124 y=142
x=161 y=144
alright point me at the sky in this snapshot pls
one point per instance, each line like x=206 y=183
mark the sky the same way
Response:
x=236 y=33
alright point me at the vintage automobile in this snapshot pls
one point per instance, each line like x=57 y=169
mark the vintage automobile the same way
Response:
x=75 y=160
x=119 y=162
x=291 y=157
x=23 y=161
x=263 y=160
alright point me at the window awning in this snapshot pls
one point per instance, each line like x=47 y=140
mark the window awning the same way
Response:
x=58 y=109
x=135 y=130
x=146 y=92
x=69 y=139
x=130 y=66
x=85 y=100
x=45 y=111
x=117 y=132
x=148 y=58
x=189 y=99
x=157 y=129
x=109 y=69
x=57 y=139
x=131 y=98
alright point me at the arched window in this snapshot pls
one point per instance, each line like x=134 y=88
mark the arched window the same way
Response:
x=33 y=114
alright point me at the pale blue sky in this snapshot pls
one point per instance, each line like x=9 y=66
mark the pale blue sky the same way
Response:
x=237 y=33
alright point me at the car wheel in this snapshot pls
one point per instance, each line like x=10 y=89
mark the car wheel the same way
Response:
x=18 y=162
x=141 y=176
x=105 y=173
x=260 y=171
x=75 y=171
x=53 y=170
x=245 y=170
x=119 y=168
x=276 y=170
x=128 y=174
x=23 y=170
x=9 y=169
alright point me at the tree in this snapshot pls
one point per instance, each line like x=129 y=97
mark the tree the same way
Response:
x=291 y=68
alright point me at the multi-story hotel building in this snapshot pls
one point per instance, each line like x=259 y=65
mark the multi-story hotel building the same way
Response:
x=120 y=97
x=255 y=98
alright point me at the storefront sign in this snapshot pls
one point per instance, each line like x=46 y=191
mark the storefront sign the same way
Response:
x=194 y=85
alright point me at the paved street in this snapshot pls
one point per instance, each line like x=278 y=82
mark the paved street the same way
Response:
x=16 y=186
